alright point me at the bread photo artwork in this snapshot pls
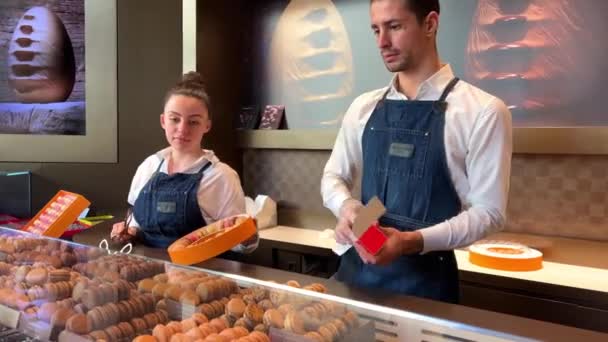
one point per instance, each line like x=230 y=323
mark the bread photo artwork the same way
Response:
x=41 y=60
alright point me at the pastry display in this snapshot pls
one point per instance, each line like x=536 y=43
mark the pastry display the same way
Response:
x=100 y=297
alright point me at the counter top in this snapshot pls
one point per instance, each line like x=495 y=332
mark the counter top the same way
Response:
x=560 y=256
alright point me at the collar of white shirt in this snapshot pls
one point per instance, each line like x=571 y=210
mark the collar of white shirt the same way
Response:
x=208 y=155
x=430 y=89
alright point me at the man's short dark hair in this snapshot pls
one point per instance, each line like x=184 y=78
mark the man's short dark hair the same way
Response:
x=420 y=8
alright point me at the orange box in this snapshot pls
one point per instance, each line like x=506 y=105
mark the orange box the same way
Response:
x=210 y=241
x=57 y=215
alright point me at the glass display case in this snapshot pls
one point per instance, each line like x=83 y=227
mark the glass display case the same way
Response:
x=56 y=290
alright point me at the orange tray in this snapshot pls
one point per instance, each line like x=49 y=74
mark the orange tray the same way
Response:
x=210 y=241
x=505 y=256
x=57 y=215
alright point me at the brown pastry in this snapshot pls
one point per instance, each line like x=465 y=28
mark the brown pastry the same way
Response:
x=216 y=338
x=294 y=323
x=36 y=276
x=21 y=273
x=127 y=329
x=195 y=334
x=139 y=324
x=95 y=319
x=286 y=308
x=78 y=290
x=61 y=316
x=141 y=306
x=180 y=337
x=46 y=311
x=161 y=305
x=207 y=310
x=79 y=324
x=115 y=313
x=260 y=328
x=175 y=327
x=326 y=333
x=293 y=283
x=351 y=319
x=240 y=331
x=173 y=292
x=341 y=326
x=146 y=285
x=218 y=307
x=200 y=318
x=89 y=297
x=266 y=304
x=158 y=291
x=249 y=299
x=99 y=335
x=241 y=322
x=334 y=330
x=59 y=275
x=190 y=297
x=161 y=278
x=114 y=333
x=203 y=292
x=162 y=333
x=274 y=318
x=253 y=314
x=228 y=319
x=151 y=320
x=208 y=329
x=260 y=336
x=319 y=287
x=235 y=308
x=218 y=323
x=315 y=336
x=124 y=311
x=145 y=338
x=229 y=334
x=163 y=316
x=188 y=324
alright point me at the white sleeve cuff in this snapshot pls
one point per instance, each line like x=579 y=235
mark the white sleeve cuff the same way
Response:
x=435 y=238
x=336 y=203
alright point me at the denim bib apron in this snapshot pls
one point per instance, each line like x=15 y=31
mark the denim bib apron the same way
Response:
x=167 y=207
x=405 y=165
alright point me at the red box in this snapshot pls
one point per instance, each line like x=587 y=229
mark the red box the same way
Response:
x=372 y=239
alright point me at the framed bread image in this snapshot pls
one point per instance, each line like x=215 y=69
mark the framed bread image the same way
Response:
x=58 y=88
x=544 y=64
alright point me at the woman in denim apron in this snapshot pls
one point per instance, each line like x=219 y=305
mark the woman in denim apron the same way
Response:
x=174 y=189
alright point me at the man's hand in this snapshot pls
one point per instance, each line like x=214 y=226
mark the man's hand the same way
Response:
x=349 y=210
x=397 y=244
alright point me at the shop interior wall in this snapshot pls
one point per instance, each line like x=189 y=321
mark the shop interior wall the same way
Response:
x=149 y=61
x=554 y=195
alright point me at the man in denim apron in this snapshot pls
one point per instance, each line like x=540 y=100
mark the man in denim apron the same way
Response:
x=434 y=149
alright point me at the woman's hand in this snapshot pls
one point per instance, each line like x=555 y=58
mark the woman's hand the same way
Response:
x=122 y=234
x=117 y=229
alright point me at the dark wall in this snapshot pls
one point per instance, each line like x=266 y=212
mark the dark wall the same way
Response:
x=223 y=50
x=149 y=61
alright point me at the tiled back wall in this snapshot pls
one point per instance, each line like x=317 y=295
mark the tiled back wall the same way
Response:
x=563 y=196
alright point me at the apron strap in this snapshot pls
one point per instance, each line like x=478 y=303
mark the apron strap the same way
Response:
x=160 y=165
x=205 y=167
x=385 y=94
x=448 y=89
